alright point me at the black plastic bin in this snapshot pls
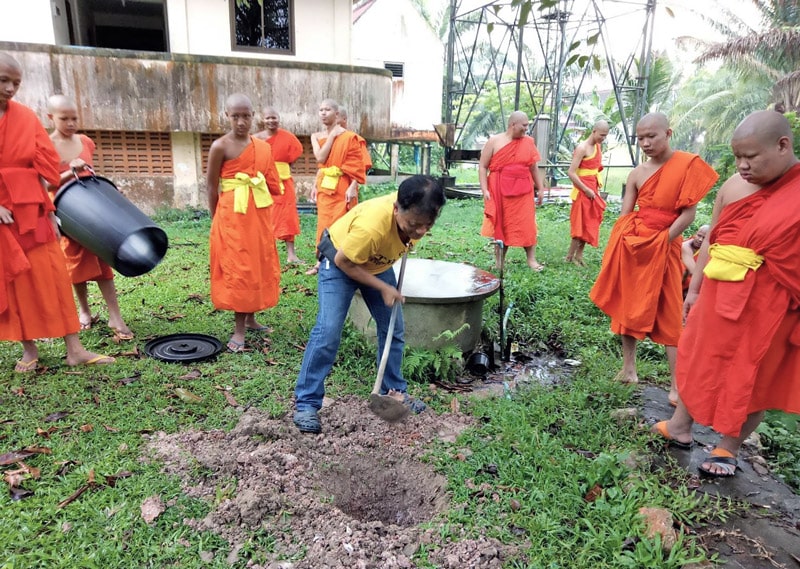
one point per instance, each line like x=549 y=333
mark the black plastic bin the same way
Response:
x=95 y=214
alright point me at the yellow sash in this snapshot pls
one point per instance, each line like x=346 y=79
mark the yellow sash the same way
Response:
x=586 y=172
x=330 y=177
x=731 y=262
x=284 y=170
x=240 y=184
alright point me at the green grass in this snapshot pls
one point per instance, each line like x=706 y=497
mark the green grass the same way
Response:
x=531 y=438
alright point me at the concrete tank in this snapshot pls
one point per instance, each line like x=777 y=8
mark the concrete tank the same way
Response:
x=440 y=296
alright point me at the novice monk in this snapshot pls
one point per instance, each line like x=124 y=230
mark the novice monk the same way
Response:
x=740 y=352
x=35 y=295
x=358 y=254
x=286 y=148
x=76 y=152
x=587 y=210
x=690 y=250
x=245 y=271
x=341 y=166
x=510 y=179
x=639 y=285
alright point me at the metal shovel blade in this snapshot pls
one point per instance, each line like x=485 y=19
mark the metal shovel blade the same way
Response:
x=388 y=408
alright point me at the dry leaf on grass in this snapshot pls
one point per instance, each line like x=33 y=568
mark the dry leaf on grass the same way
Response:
x=194 y=374
x=455 y=406
x=187 y=396
x=151 y=508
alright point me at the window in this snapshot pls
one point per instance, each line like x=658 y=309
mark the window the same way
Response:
x=395 y=68
x=263 y=25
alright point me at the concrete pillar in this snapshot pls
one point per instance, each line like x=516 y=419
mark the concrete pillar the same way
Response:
x=426 y=159
x=187 y=168
x=394 y=160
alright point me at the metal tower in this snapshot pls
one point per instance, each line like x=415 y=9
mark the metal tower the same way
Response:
x=539 y=50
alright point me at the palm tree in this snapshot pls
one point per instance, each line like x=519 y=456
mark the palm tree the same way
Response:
x=772 y=53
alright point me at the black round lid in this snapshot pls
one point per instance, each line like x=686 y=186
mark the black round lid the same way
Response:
x=183 y=348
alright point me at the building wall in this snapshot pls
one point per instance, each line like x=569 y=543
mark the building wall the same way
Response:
x=393 y=31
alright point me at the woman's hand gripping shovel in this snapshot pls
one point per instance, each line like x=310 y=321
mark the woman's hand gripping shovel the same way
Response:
x=386 y=406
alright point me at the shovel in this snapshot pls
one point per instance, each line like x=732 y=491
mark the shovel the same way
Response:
x=385 y=406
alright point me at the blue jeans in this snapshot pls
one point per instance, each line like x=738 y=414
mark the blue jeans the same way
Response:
x=335 y=290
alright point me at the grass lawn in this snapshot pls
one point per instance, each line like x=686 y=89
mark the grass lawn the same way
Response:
x=552 y=446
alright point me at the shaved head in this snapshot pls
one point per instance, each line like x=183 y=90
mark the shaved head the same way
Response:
x=60 y=103
x=238 y=100
x=8 y=61
x=657 y=120
x=270 y=111
x=601 y=126
x=765 y=126
x=330 y=103
x=517 y=116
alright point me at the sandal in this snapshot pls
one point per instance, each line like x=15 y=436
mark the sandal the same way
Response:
x=660 y=428
x=416 y=406
x=722 y=459
x=26 y=367
x=307 y=421
x=120 y=335
x=235 y=347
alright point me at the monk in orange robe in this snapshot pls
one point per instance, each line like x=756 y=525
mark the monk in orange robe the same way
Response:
x=510 y=179
x=76 y=152
x=740 y=352
x=342 y=167
x=690 y=251
x=639 y=285
x=241 y=179
x=35 y=296
x=286 y=148
x=588 y=207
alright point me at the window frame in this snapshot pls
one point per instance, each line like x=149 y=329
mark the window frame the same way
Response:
x=256 y=49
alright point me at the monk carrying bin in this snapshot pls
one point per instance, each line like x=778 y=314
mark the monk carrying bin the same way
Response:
x=639 y=285
x=245 y=270
x=76 y=152
x=35 y=295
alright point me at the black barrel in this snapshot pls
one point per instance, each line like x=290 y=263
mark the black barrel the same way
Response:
x=95 y=214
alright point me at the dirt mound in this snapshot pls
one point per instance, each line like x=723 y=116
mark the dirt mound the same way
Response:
x=353 y=496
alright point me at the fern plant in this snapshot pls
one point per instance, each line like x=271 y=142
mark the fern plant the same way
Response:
x=442 y=364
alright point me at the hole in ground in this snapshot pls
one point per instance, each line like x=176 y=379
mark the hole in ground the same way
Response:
x=370 y=489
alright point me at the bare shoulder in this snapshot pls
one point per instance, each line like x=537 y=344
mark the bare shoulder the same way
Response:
x=734 y=189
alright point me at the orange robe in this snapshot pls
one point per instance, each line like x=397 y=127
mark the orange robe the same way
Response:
x=586 y=214
x=82 y=264
x=285 y=148
x=347 y=153
x=740 y=351
x=510 y=214
x=36 y=297
x=245 y=270
x=639 y=285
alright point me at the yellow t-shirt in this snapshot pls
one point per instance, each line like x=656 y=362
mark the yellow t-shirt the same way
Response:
x=368 y=234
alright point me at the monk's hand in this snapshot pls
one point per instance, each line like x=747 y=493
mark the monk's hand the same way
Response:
x=77 y=164
x=351 y=194
x=486 y=195
x=337 y=130
x=590 y=194
x=6 y=216
x=539 y=197
x=313 y=195
x=691 y=298
x=391 y=295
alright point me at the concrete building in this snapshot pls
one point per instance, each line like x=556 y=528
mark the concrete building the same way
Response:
x=151 y=77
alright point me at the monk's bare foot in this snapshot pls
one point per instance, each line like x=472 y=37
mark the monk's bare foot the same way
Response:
x=85 y=357
x=296 y=260
x=628 y=377
x=313 y=270
x=568 y=259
